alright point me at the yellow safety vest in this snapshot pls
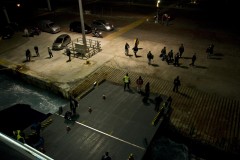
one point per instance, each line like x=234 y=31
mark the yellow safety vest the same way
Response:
x=126 y=79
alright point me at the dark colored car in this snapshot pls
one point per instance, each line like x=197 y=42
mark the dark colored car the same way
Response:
x=6 y=32
x=102 y=25
x=48 y=26
x=76 y=27
x=61 y=42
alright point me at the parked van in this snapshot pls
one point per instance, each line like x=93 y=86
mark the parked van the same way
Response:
x=49 y=26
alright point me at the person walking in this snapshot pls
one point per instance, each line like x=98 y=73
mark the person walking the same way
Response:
x=176 y=84
x=176 y=59
x=106 y=156
x=135 y=50
x=181 y=50
x=50 y=52
x=36 y=51
x=28 y=55
x=158 y=101
x=170 y=56
x=163 y=53
x=194 y=57
x=126 y=81
x=149 y=57
x=127 y=49
x=139 y=82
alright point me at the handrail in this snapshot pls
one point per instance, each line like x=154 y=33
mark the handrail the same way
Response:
x=23 y=148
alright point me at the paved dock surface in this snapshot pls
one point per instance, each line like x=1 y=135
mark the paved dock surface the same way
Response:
x=206 y=109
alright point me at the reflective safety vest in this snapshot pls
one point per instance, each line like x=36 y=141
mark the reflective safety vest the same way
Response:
x=126 y=79
x=19 y=137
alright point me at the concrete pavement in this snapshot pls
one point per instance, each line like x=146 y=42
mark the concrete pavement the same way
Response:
x=215 y=76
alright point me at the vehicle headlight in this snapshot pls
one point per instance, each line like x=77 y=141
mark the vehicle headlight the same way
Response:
x=108 y=27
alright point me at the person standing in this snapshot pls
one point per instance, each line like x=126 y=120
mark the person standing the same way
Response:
x=149 y=57
x=194 y=57
x=181 y=50
x=68 y=54
x=139 y=82
x=158 y=101
x=176 y=84
x=211 y=47
x=28 y=55
x=126 y=49
x=26 y=33
x=50 y=52
x=126 y=81
x=36 y=51
x=163 y=53
x=136 y=43
x=106 y=156
x=147 y=90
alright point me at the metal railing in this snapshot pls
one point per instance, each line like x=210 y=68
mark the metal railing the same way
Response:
x=23 y=148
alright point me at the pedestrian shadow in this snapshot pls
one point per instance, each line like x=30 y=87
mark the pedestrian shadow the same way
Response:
x=48 y=58
x=68 y=61
x=129 y=55
x=25 y=61
x=155 y=65
x=184 y=67
x=201 y=67
x=184 y=95
x=145 y=142
x=216 y=58
x=129 y=90
x=138 y=56
x=186 y=57
x=218 y=54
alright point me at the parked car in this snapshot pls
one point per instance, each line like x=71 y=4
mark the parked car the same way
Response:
x=34 y=31
x=6 y=32
x=61 y=42
x=102 y=25
x=76 y=26
x=49 y=26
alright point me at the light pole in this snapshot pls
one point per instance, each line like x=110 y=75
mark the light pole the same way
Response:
x=6 y=14
x=157 y=18
x=82 y=25
x=49 y=5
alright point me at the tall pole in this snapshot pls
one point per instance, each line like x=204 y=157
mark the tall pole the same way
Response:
x=6 y=14
x=49 y=5
x=82 y=25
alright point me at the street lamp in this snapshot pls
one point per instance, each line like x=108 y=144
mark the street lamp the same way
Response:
x=82 y=25
x=158 y=2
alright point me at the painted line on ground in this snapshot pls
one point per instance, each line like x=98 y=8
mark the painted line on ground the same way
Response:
x=119 y=139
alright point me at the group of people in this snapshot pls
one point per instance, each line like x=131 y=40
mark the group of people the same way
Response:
x=135 y=48
x=146 y=93
x=169 y=57
x=29 y=54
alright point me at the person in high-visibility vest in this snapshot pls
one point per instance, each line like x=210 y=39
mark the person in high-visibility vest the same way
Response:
x=126 y=81
x=19 y=136
x=130 y=157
